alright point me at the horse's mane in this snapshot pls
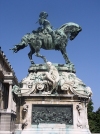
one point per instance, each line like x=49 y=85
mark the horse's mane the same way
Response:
x=69 y=24
x=63 y=26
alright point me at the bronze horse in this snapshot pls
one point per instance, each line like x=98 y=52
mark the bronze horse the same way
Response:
x=42 y=39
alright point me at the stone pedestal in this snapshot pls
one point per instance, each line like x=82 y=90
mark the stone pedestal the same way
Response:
x=52 y=102
x=77 y=121
x=7 y=122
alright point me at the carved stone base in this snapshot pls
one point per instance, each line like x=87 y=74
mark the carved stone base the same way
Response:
x=53 y=115
x=52 y=100
x=52 y=79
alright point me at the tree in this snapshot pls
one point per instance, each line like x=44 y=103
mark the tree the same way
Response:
x=93 y=118
x=98 y=120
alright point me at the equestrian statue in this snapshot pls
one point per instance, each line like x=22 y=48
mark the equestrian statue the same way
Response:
x=47 y=38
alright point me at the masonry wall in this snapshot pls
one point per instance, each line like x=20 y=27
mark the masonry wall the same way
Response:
x=7 y=105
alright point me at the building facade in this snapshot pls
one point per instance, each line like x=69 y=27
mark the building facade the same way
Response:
x=7 y=105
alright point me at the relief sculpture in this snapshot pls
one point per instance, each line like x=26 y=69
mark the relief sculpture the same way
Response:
x=80 y=119
x=24 y=116
x=52 y=114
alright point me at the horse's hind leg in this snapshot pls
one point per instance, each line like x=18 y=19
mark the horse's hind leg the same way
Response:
x=39 y=55
x=30 y=56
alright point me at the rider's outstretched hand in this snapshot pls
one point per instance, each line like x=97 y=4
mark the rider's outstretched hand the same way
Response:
x=14 y=49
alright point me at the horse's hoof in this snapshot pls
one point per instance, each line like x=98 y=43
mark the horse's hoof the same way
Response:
x=68 y=62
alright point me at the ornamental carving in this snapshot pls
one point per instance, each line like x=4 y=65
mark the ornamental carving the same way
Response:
x=52 y=81
x=24 y=116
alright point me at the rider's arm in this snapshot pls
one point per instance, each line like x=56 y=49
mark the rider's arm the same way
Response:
x=41 y=21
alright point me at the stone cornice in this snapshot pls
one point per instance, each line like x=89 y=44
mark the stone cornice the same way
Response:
x=1 y=74
x=9 y=66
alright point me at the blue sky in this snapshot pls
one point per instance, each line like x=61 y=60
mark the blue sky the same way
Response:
x=18 y=17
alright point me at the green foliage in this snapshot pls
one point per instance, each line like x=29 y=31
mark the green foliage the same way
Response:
x=98 y=120
x=93 y=118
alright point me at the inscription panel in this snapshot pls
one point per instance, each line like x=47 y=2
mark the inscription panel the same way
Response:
x=52 y=114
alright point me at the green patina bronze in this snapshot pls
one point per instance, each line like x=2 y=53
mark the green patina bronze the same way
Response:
x=47 y=38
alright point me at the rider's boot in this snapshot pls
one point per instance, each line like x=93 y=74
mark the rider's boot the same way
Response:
x=54 y=38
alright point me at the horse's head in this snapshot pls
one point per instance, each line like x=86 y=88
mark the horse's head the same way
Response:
x=71 y=29
x=75 y=29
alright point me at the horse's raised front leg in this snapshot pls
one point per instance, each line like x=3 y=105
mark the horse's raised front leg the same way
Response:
x=64 y=53
x=30 y=56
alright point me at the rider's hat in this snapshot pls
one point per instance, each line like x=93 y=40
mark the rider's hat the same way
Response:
x=43 y=14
